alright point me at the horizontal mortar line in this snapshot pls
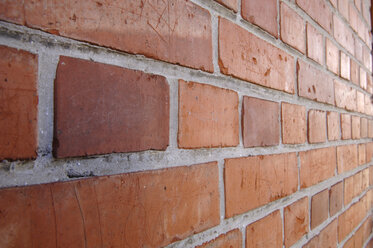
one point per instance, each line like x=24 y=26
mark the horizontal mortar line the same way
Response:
x=367 y=241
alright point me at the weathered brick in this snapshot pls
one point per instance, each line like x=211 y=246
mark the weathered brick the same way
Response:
x=260 y=123
x=314 y=84
x=360 y=101
x=355 y=126
x=293 y=120
x=316 y=165
x=261 y=13
x=355 y=71
x=363 y=127
x=345 y=96
x=319 y=208
x=292 y=30
x=251 y=182
x=231 y=4
x=335 y=198
x=333 y=126
x=316 y=126
x=362 y=154
x=101 y=109
x=346 y=158
x=332 y=56
x=345 y=66
x=326 y=238
x=315 y=48
x=363 y=79
x=19 y=103
x=245 y=56
x=343 y=8
x=232 y=239
x=208 y=116
x=319 y=11
x=296 y=221
x=343 y=34
x=257 y=234
x=346 y=126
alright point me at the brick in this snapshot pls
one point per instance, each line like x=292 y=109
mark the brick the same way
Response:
x=208 y=116
x=101 y=109
x=358 y=184
x=293 y=120
x=358 y=49
x=332 y=56
x=345 y=96
x=314 y=84
x=355 y=126
x=319 y=11
x=366 y=12
x=19 y=103
x=349 y=219
x=362 y=154
x=335 y=198
x=349 y=243
x=315 y=48
x=367 y=226
x=358 y=237
x=363 y=127
x=363 y=79
x=319 y=208
x=346 y=126
x=346 y=158
x=257 y=234
x=292 y=28
x=160 y=207
x=368 y=105
x=343 y=34
x=261 y=13
x=326 y=238
x=355 y=71
x=316 y=165
x=370 y=128
x=231 y=4
x=358 y=5
x=260 y=122
x=354 y=17
x=366 y=57
x=296 y=221
x=343 y=8
x=232 y=239
x=333 y=126
x=251 y=182
x=369 y=149
x=348 y=190
x=370 y=176
x=334 y=3
x=360 y=102
x=365 y=179
x=245 y=56
x=316 y=126
x=345 y=66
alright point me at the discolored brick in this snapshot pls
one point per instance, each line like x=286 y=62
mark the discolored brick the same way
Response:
x=345 y=96
x=293 y=120
x=333 y=126
x=316 y=126
x=296 y=221
x=335 y=198
x=319 y=208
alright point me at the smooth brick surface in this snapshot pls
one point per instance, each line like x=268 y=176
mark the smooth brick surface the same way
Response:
x=319 y=208
x=326 y=238
x=333 y=126
x=251 y=182
x=293 y=120
x=231 y=4
x=135 y=210
x=343 y=34
x=316 y=165
x=261 y=13
x=316 y=126
x=232 y=239
x=292 y=27
x=245 y=56
x=101 y=109
x=346 y=158
x=257 y=234
x=355 y=126
x=208 y=116
x=19 y=103
x=319 y=11
x=335 y=198
x=345 y=96
x=346 y=126
x=296 y=221
x=315 y=48
x=314 y=84
x=345 y=66
x=260 y=122
x=332 y=56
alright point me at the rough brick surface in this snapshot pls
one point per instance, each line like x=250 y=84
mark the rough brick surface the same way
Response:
x=245 y=56
x=208 y=116
x=335 y=198
x=326 y=238
x=319 y=208
x=136 y=210
x=232 y=239
x=360 y=102
x=363 y=127
x=349 y=219
x=332 y=56
x=316 y=165
x=362 y=154
x=348 y=192
x=346 y=126
x=316 y=126
x=345 y=66
x=232 y=4
x=346 y=158
x=257 y=234
x=315 y=48
x=355 y=127
x=369 y=149
x=260 y=122
x=254 y=181
x=363 y=78
x=103 y=109
x=19 y=103
x=343 y=34
x=261 y=13
x=319 y=11
x=293 y=123
x=314 y=84
x=345 y=96
x=354 y=72
x=333 y=126
x=296 y=221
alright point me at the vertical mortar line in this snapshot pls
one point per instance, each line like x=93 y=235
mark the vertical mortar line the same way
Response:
x=280 y=124
x=326 y=127
x=215 y=42
x=298 y=162
x=221 y=190
x=278 y=20
x=174 y=110
x=240 y=116
x=243 y=231
x=283 y=226
x=296 y=78
x=239 y=16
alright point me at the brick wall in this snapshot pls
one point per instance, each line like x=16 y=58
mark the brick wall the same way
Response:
x=199 y=123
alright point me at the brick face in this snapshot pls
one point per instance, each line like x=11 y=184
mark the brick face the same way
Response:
x=355 y=126
x=343 y=35
x=232 y=239
x=326 y=238
x=346 y=126
x=332 y=56
x=354 y=71
x=319 y=11
x=231 y=4
x=316 y=126
x=333 y=126
x=319 y=208
x=345 y=66
x=296 y=221
x=345 y=96
x=335 y=198
x=346 y=158
x=315 y=44
x=293 y=122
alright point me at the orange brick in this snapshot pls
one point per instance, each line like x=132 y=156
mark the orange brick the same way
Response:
x=349 y=219
x=332 y=56
x=345 y=66
x=365 y=177
x=346 y=158
x=345 y=96
x=326 y=238
x=367 y=227
x=355 y=126
x=296 y=221
x=346 y=126
x=333 y=126
x=315 y=49
x=362 y=154
x=231 y=4
x=232 y=239
x=335 y=198
x=251 y=182
x=343 y=34
x=293 y=120
x=319 y=208
x=316 y=126
x=319 y=11
x=348 y=190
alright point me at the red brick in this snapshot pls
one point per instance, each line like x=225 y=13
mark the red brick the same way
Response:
x=251 y=182
x=245 y=56
x=333 y=126
x=355 y=126
x=349 y=243
x=335 y=198
x=355 y=71
x=208 y=116
x=363 y=79
x=349 y=219
x=101 y=109
x=332 y=56
x=293 y=120
x=346 y=158
x=232 y=239
x=315 y=44
x=345 y=66
x=326 y=238
x=348 y=190
x=319 y=208
x=261 y=13
x=296 y=221
x=369 y=149
x=343 y=34
x=260 y=122
x=358 y=237
x=345 y=96
x=367 y=227
x=368 y=106
x=365 y=179
x=292 y=28
x=370 y=128
x=366 y=57
x=314 y=84
x=231 y=4
x=370 y=176
x=160 y=207
x=346 y=126
x=360 y=102
x=343 y=8
x=316 y=165
x=316 y=126
x=19 y=103
x=362 y=154
x=257 y=234
x=363 y=127
x=319 y=11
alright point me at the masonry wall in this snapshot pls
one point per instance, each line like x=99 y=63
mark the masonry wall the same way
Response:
x=200 y=123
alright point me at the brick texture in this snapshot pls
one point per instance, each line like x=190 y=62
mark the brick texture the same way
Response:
x=346 y=126
x=232 y=239
x=346 y=158
x=345 y=66
x=345 y=96
x=326 y=238
x=319 y=208
x=296 y=221
x=319 y=11
x=354 y=72
x=343 y=34
x=333 y=126
x=332 y=56
x=316 y=126
x=335 y=198
x=293 y=123
x=232 y=4
x=293 y=31
x=355 y=127
x=315 y=49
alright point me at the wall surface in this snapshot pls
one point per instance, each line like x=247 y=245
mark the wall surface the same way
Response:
x=200 y=123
